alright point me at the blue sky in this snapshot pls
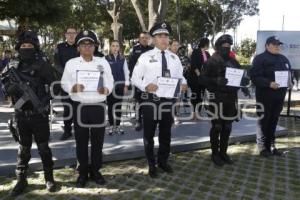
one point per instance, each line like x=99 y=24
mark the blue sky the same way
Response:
x=271 y=17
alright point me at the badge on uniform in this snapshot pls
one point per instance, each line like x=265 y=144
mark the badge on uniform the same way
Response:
x=85 y=33
x=172 y=56
x=167 y=73
x=152 y=60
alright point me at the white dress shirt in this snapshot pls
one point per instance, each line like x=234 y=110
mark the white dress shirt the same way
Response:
x=149 y=67
x=126 y=73
x=69 y=78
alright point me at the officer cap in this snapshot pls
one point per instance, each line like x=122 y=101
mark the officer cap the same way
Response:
x=86 y=35
x=273 y=40
x=226 y=38
x=160 y=28
x=28 y=37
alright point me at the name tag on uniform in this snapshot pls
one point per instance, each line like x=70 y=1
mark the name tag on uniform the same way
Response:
x=167 y=73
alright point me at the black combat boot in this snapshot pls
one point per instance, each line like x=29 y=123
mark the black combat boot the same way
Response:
x=214 y=141
x=21 y=183
x=49 y=180
x=223 y=148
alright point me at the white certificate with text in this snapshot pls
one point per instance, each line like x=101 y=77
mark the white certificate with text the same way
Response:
x=282 y=78
x=168 y=87
x=234 y=76
x=89 y=79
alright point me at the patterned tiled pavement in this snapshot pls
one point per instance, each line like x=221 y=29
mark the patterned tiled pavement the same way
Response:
x=195 y=177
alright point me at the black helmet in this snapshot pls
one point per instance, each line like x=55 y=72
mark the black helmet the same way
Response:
x=223 y=39
x=28 y=37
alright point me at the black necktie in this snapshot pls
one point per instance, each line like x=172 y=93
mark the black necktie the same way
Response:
x=163 y=63
x=101 y=81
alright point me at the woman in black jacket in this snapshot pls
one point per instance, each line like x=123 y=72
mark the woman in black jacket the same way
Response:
x=198 y=58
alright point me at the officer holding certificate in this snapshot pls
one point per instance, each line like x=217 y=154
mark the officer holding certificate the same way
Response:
x=150 y=75
x=271 y=74
x=223 y=97
x=88 y=80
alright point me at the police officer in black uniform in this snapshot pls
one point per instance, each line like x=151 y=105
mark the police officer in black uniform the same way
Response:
x=137 y=51
x=37 y=73
x=223 y=98
x=269 y=94
x=64 y=52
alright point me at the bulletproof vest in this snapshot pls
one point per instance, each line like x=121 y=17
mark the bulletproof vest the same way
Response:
x=30 y=74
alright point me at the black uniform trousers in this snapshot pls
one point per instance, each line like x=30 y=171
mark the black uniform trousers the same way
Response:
x=114 y=110
x=153 y=115
x=38 y=127
x=89 y=115
x=223 y=108
x=66 y=114
x=197 y=96
x=138 y=99
x=273 y=105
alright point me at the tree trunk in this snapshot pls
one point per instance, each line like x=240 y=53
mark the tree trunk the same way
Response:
x=157 y=10
x=153 y=12
x=141 y=17
x=116 y=27
x=162 y=10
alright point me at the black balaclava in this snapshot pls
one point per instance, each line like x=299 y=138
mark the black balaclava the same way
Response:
x=27 y=54
x=224 y=52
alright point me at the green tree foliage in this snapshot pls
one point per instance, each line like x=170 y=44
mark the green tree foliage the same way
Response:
x=34 y=11
x=198 y=18
x=223 y=15
x=247 y=47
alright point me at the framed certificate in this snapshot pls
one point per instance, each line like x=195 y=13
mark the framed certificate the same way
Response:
x=282 y=78
x=89 y=79
x=168 y=87
x=234 y=76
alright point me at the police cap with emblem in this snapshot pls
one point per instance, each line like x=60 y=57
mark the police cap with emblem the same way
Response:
x=273 y=40
x=28 y=37
x=160 y=28
x=86 y=35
